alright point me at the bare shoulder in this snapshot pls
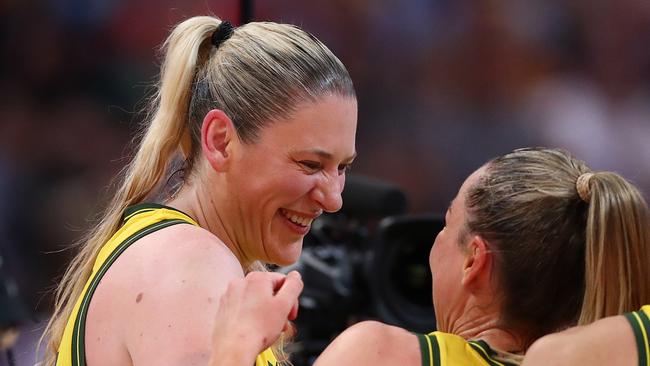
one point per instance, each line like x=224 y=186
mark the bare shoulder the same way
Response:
x=372 y=343
x=180 y=248
x=609 y=341
x=159 y=298
x=177 y=258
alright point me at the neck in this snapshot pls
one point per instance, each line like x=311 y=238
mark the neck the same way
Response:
x=479 y=322
x=207 y=212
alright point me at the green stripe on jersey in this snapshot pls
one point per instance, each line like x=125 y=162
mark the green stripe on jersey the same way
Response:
x=78 y=342
x=646 y=327
x=429 y=350
x=640 y=335
x=488 y=354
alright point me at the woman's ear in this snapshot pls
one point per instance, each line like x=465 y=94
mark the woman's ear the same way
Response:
x=478 y=260
x=217 y=136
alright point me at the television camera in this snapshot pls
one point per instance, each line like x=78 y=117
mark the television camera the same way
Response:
x=367 y=261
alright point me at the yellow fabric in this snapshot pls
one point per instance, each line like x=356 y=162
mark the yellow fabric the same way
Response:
x=140 y=222
x=266 y=358
x=444 y=349
x=455 y=350
x=646 y=309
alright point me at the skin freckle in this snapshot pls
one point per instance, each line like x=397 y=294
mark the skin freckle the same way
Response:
x=138 y=298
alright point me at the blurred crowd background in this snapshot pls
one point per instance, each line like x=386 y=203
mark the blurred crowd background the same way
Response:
x=443 y=85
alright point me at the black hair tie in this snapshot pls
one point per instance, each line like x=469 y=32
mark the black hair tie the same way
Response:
x=222 y=33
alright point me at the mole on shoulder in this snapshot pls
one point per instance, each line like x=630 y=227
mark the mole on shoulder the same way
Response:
x=138 y=298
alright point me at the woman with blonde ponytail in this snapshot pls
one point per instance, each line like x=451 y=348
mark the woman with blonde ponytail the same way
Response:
x=534 y=242
x=262 y=118
x=617 y=281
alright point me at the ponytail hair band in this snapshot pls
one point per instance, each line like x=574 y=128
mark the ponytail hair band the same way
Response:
x=222 y=33
x=582 y=186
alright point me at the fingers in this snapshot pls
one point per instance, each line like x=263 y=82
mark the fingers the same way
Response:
x=262 y=280
x=293 y=314
x=291 y=289
x=286 y=287
x=280 y=291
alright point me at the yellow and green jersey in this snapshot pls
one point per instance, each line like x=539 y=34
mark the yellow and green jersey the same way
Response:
x=444 y=349
x=640 y=321
x=139 y=221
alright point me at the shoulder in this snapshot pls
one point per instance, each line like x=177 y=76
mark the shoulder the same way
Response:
x=186 y=247
x=371 y=343
x=174 y=265
x=609 y=341
x=160 y=296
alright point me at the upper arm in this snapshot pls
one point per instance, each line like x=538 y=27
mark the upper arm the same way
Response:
x=372 y=343
x=165 y=293
x=609 y=341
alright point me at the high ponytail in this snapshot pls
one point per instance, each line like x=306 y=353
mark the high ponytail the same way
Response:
x=185 y=50
x=617 y=253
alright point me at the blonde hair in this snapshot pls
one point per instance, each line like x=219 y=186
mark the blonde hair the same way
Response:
x=258 y=75
x=617 y=274
x=561 y=260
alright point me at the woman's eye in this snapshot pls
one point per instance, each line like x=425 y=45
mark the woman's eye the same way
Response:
x=310 y=165
x=344 y=168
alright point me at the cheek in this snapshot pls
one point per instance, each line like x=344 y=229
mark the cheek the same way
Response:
x=431 y=255
x=295 y=186
x=282 y=191
x=434 y=252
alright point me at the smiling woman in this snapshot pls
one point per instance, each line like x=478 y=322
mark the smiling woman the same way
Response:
x=294 y=172
x=263 y=117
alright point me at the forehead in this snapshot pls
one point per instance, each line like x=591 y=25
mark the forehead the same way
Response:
x=459 y=201
x=329 y=122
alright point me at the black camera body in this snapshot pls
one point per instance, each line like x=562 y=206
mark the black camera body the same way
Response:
x=368 y=261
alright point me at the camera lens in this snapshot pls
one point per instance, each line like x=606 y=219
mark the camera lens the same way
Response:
x=410 y=274
x=400 y=278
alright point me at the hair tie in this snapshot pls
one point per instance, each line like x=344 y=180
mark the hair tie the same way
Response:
x=582 y=186
x=222 y=33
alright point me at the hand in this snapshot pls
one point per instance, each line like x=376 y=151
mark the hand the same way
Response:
x=252 y=314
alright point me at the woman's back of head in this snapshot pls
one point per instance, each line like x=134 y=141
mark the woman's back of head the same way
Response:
x=562 y=257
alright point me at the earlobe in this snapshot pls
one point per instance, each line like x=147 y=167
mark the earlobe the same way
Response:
x=217 y=135
x=476 y=260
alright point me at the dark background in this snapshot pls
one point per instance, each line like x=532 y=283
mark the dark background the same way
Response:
x=443 y=85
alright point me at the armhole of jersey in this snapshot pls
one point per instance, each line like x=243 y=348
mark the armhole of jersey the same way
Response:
x=641 y=326
x=429 y=349
x=78 y=334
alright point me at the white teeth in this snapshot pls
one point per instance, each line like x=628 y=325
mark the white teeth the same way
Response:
x=302 y=221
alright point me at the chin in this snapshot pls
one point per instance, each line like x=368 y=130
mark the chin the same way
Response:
x=289 y=256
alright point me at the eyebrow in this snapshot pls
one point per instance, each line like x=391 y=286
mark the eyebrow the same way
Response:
x=328 y=156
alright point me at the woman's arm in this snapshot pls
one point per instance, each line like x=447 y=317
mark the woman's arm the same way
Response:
x=372 y=343
x=609 y=341
x=156 y=304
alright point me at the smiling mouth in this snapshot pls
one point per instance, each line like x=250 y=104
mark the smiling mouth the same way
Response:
x=297 y=219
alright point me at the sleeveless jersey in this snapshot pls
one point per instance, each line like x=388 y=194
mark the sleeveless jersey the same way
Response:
x=444 y=349
x=640 y=321
x=138 y=221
